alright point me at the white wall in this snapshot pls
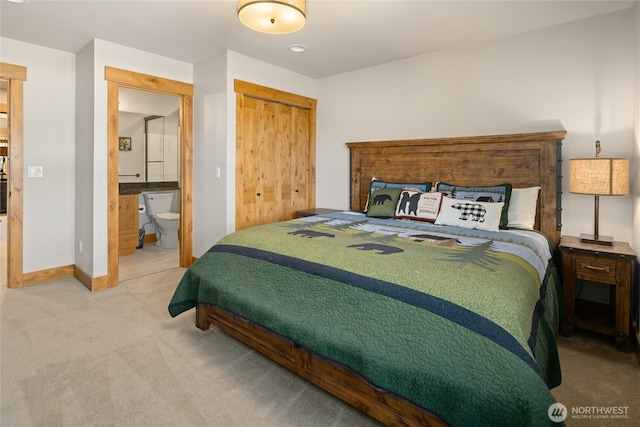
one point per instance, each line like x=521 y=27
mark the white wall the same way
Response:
x=578 y=76
x=209 y=152
x=49 y=141
x=84 y=166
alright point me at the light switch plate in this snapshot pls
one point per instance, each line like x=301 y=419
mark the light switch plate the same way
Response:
x=35 y=172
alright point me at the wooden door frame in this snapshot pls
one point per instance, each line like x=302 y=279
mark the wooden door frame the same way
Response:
x=117 y=78
x=16 y=75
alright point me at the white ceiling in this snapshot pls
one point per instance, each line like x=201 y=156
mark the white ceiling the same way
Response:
x=340 y=35
x=147 y=103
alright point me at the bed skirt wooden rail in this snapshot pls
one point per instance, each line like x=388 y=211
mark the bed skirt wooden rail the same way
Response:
x=333 y=377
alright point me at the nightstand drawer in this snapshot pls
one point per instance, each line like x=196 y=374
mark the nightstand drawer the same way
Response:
x=596 y=269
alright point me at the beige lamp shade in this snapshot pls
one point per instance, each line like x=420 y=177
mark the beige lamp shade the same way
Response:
x=599 y=176
x=273 y=16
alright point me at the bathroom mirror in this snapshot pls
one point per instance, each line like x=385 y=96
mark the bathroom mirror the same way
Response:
x=148 y=136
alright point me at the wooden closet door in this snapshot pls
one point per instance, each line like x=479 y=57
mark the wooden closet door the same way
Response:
x=263 y=163
x=275 y=158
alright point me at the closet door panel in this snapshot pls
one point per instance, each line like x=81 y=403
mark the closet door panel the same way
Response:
x=300 y=160
x=284 y=141
x=268 y=163
x=247 y=156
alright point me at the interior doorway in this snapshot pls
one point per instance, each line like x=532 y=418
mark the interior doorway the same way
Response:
x=116 y=79
x=148 y=165
x=14 y=76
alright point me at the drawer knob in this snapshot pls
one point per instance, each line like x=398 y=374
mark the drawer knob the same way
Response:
x=593 y=267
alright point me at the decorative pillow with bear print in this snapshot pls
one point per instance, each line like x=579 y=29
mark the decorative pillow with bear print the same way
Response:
x=377 y=184
x=495 y=193
x=418 y=206
x=470 y=214
x=382 y=203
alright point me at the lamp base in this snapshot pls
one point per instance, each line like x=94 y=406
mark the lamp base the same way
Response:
x=601 y=240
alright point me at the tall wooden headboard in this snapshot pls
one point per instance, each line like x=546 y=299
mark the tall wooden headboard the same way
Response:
x=523 y=160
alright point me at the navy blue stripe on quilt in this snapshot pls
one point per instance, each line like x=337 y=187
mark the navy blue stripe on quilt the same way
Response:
x=441 y=307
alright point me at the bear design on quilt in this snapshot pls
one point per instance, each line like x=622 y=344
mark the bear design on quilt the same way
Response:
x=310 y=234
x=380 y=249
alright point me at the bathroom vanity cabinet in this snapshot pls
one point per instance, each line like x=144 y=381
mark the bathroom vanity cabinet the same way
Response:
x=128 y=223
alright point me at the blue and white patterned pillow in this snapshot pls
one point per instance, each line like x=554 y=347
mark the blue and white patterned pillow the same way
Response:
x=487 y=194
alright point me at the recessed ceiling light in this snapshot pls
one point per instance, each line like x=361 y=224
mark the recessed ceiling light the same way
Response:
x=297 y=48
x=19 y=1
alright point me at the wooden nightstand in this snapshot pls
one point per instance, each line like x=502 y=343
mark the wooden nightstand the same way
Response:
x=608 y=265
x=315 y=211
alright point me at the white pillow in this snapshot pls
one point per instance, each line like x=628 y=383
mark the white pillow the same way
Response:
x=522 y=207
x=470 y=214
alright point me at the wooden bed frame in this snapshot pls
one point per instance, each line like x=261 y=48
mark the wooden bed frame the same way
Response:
x=524 y=160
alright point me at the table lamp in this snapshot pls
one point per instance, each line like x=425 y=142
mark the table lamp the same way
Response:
x=598 y=176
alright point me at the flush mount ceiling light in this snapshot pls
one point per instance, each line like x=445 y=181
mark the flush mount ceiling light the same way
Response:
x=273 y=16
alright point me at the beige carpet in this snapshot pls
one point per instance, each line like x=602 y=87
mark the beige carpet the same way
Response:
x=597 y=379
x=70 y=357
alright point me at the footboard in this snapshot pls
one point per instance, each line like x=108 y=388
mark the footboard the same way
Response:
x=333 y=377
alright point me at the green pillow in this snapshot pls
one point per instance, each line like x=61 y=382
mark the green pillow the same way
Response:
x=383 y=201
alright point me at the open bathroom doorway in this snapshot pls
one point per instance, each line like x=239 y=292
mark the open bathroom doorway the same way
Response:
x=148 y=182
x=4 y=158
x=119 y=78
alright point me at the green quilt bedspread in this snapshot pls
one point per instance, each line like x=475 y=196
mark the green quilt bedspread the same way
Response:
x=461 y=322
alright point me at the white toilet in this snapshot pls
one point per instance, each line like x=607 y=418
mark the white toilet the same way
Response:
x=159 y=211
